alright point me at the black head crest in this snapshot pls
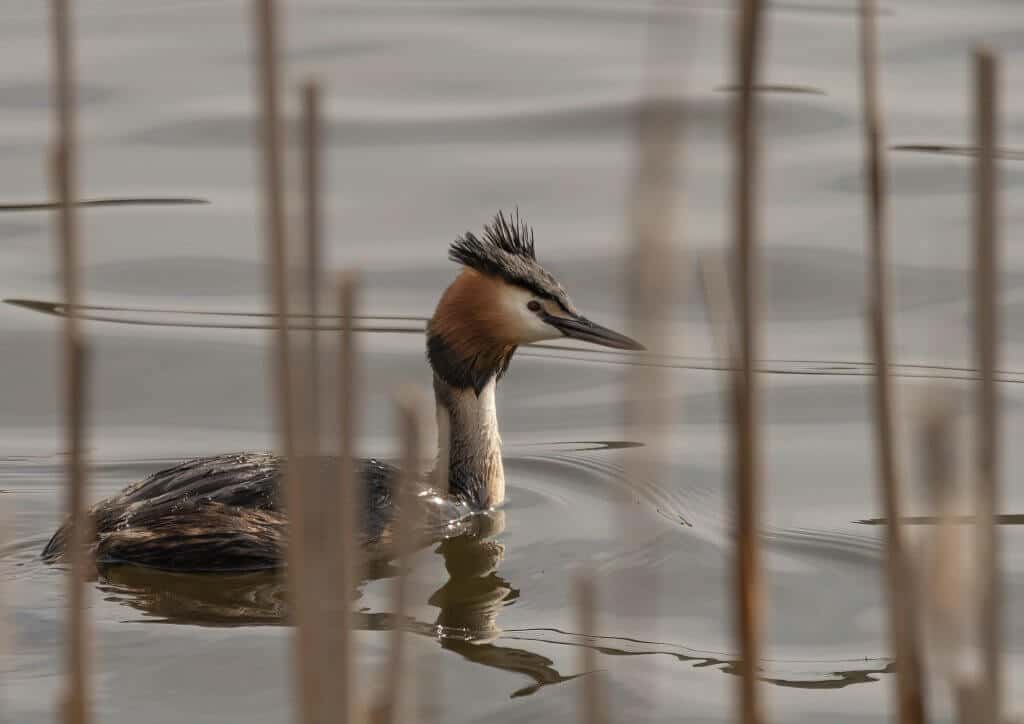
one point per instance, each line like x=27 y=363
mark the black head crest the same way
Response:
x=509 y=235
x=506 y=250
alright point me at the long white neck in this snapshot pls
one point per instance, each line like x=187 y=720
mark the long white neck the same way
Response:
x=468 y=429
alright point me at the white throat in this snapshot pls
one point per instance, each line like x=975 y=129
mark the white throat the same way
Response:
x=468 y=429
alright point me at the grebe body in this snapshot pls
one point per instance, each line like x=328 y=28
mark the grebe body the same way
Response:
x=225 y=513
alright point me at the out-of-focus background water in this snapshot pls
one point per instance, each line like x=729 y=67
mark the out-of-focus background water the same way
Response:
x=440 y=113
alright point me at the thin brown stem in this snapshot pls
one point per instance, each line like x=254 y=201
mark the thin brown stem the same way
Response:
x=267 y=31
x=718 y=303
x=986 y=323
x=397 y=691
x=939 y=558
x=592 y=705
x=748 y=444
x=320 y=492
x=654 y=279
x=902 y=630
x=273 y=158
x=345 y=564
x=311 y=175
x=77 y=708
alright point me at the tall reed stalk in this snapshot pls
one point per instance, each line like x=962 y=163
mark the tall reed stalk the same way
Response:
x=653 y=279
x=77 y=697
x=592 y=706
x=397 y=695
x=986 y=337
x=901 y=592
x=344 y=559
x=747 y=440
x=267 y=32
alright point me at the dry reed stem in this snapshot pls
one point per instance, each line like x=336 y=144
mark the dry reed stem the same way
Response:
x=311 y=175
x=320 y=492
x=78 y=702
x=902 y=631
x=76 y=705
x=398 y=688
x=941 y=561
x=718 y=300
x=900 y=575
x=267 y=29
x=718 y=303
x=592 y=705
x=986 y=264
x=343 y=558
x=652 y=283
x=748 y=443
x=652 y=280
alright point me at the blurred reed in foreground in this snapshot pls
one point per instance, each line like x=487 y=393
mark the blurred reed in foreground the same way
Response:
x=746 y=435
x=654 y=276
x=903 y=637
x=986 y=332
x=76 y=703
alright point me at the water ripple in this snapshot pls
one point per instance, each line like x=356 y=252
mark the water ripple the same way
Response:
x=104 y=202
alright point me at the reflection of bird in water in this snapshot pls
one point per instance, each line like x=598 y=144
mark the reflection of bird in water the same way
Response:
x=223 y=513
x=470 y=600
x=469 y=605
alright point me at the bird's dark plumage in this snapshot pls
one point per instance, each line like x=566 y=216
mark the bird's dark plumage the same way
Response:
x=224 y=513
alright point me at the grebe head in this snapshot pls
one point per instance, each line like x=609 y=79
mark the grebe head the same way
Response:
x=502 y=298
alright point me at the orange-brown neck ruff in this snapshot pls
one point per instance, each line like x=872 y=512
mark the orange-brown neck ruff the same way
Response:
x=468 y=340
x=469 y=344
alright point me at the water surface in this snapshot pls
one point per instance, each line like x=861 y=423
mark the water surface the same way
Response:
x=441 y=113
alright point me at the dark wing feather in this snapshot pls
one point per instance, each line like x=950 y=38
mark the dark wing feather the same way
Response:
x=203 y=538
x=216 y=514
x=248 y=480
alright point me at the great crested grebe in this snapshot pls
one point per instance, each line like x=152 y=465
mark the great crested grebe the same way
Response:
x=224 y=513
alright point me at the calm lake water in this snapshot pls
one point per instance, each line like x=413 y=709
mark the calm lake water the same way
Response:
x=440 y=113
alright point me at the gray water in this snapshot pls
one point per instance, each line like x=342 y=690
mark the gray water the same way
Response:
x=441 y=113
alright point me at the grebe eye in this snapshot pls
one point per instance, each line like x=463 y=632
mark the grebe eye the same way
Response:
x=533 y=305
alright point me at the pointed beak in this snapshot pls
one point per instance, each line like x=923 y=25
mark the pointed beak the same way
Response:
x=583 y=329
